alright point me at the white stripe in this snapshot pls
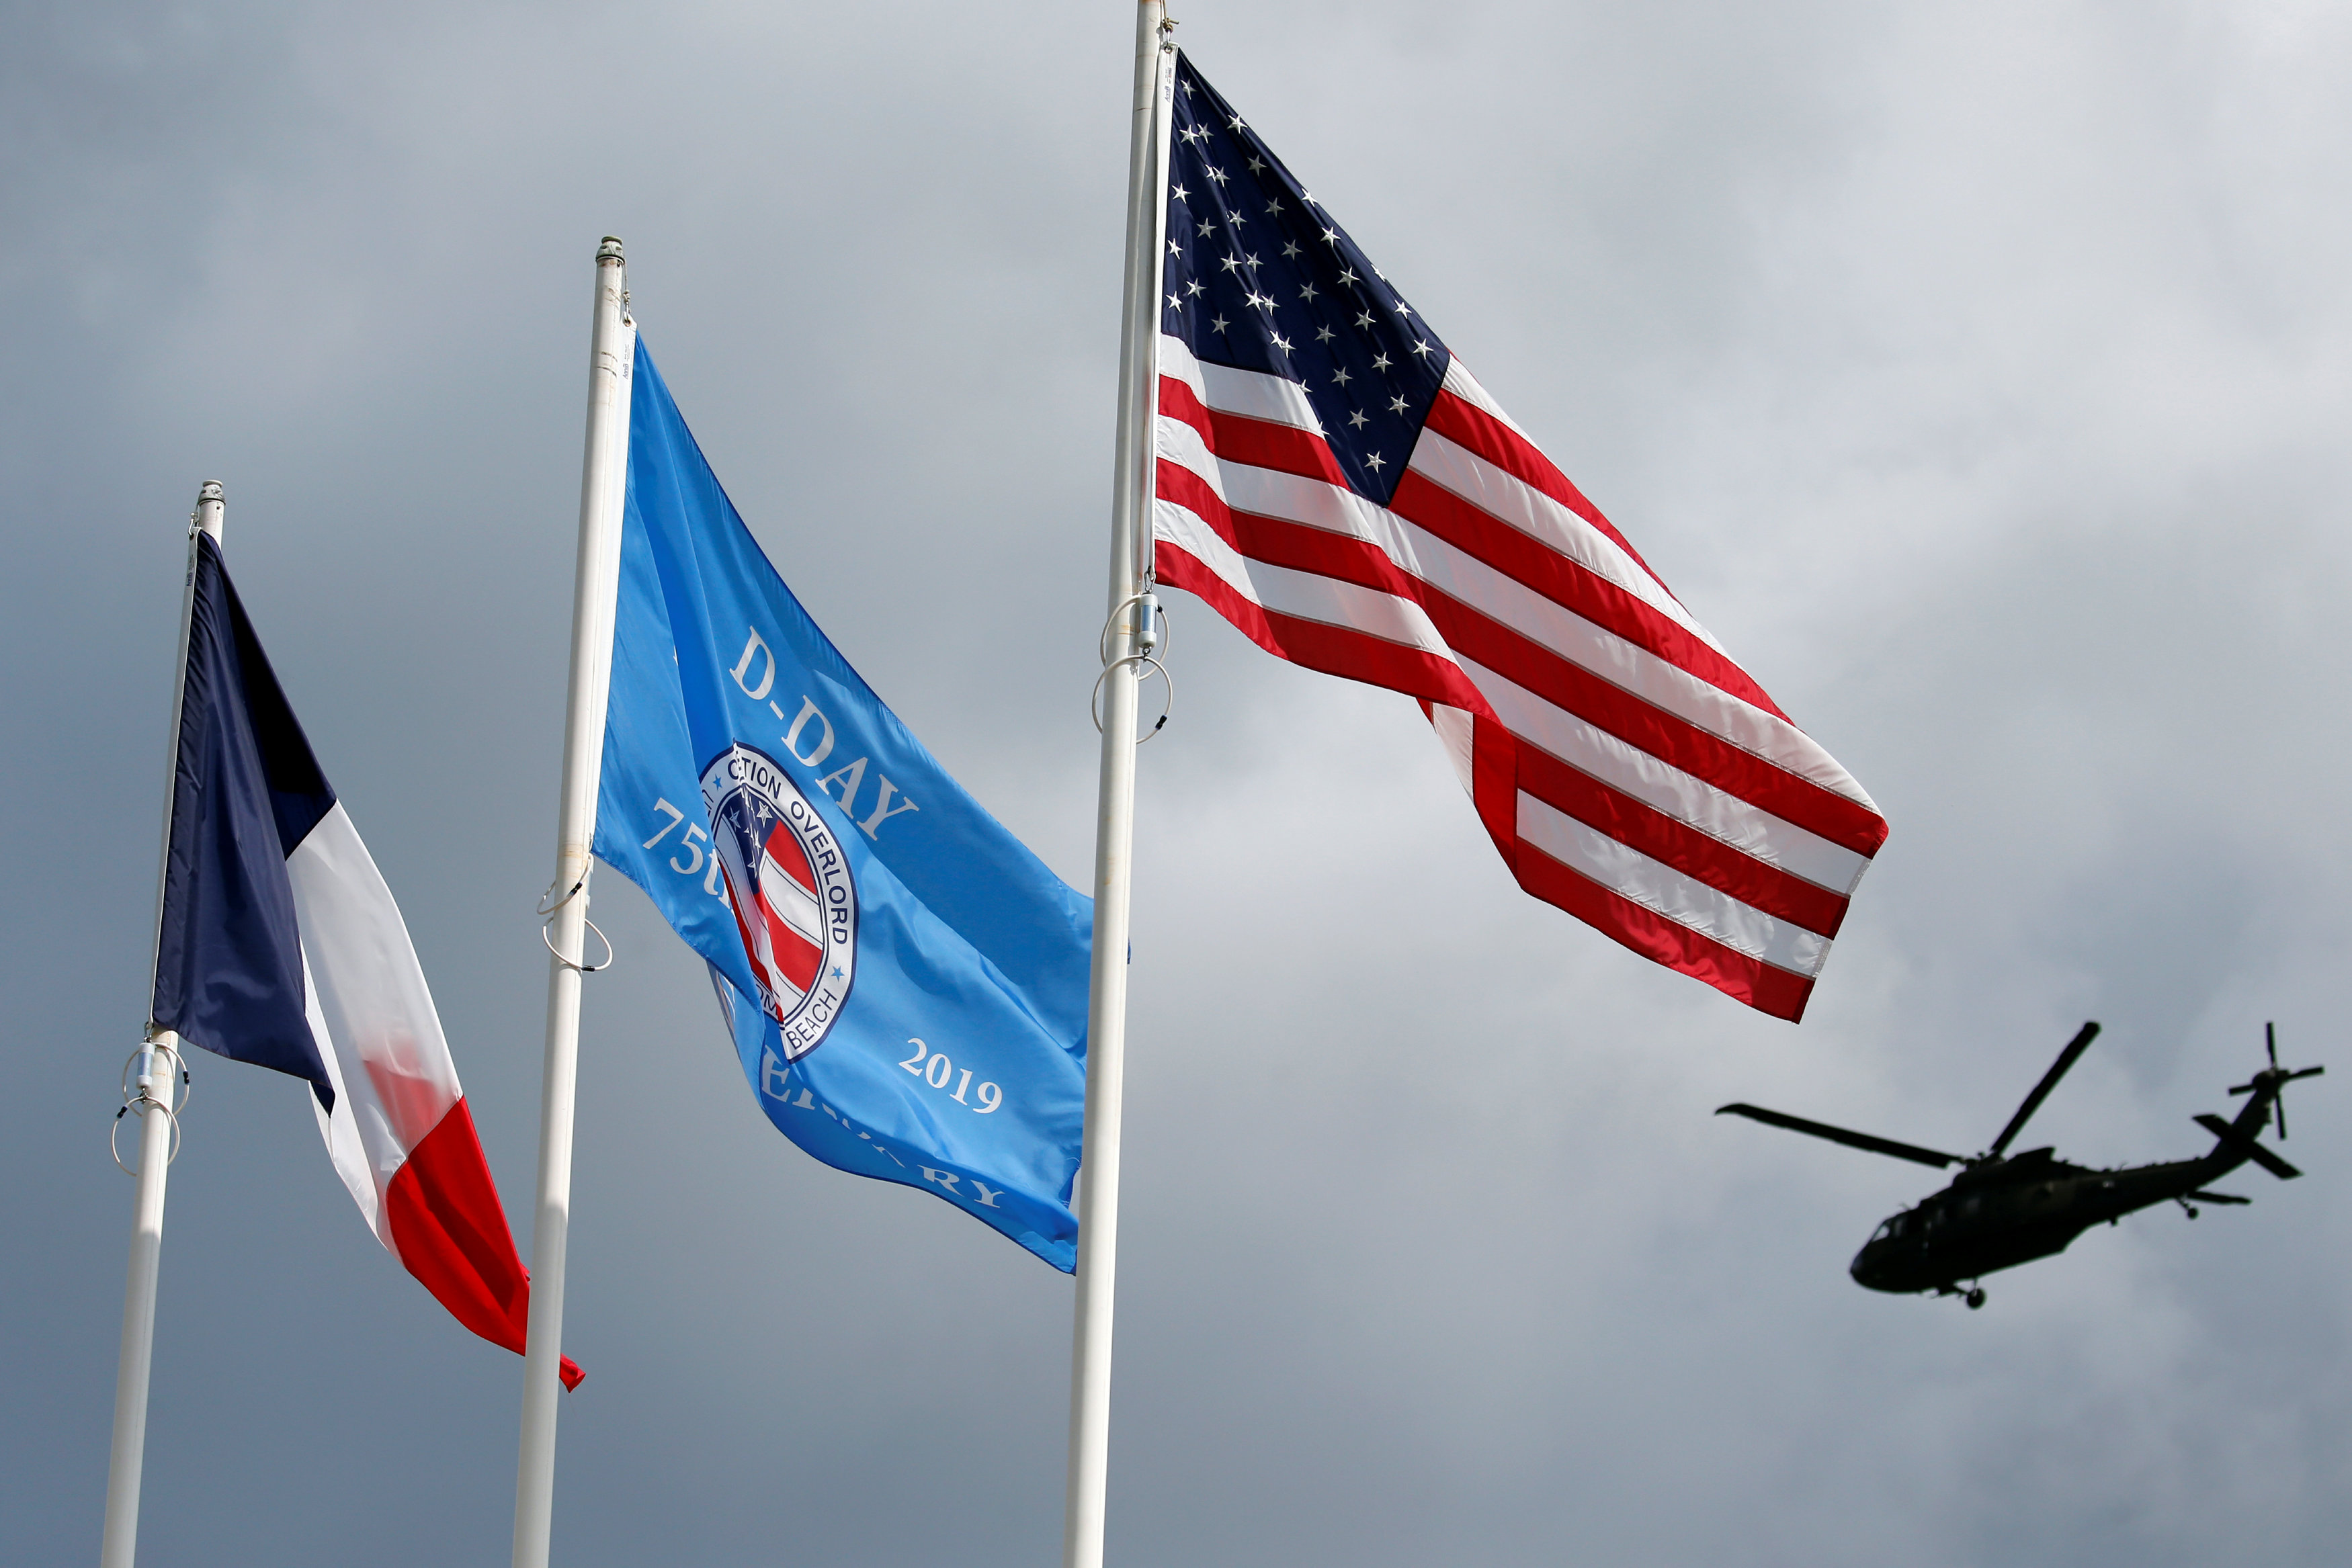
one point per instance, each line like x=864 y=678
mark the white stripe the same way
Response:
x=1181 y=444
x=1252 y=393
x=1690 y=800
x=1667 y=891
x=1188 y=531
x=1456 y=731
x=793 y=903
x=1627 y=666
x=1311 y=596
x=370 y=1006
x=1176 y=362
x=1510 y=499
x=1317 y=504
x=1464 y=385
x=346 y=1150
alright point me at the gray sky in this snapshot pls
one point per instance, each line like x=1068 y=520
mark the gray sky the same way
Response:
x=1979 y=375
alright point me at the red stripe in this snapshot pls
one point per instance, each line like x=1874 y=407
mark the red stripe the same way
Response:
x=1503 y=763
x=1466 y=425
x=1179 y=484
x=786 y=852
x=1319 y=644
x=1640 y=826
x=797 y=959
x=1179 y=567
x=1751 y=981
x=1178 y=401
x=743 y=929
x=1513 y=655
x=1573 y=585
x=1278 y=541
x=1699 y=752
x=449 y=1230
x=1259 y=443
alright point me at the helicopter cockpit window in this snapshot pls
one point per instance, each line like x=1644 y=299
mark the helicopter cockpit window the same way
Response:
x=1885 y=1229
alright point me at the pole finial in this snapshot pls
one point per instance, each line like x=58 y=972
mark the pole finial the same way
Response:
x=610 y=250
x=210 y=490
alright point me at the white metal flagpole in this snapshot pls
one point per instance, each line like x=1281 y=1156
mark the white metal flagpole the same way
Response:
x=602 y=478
x=155 y=1072
x=1132 y=632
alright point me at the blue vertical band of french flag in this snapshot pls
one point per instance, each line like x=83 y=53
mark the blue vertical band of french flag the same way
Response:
x=905 y=982
x=281 y=945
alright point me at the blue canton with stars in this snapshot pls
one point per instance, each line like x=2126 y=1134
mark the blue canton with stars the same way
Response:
x=1257 y=277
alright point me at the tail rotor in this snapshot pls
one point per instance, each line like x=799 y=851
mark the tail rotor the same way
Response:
x=2276 y=1078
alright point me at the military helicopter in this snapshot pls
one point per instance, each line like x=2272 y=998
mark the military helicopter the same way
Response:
x=2003 y=1211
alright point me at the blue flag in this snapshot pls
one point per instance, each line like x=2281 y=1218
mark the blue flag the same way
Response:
x=905 y=983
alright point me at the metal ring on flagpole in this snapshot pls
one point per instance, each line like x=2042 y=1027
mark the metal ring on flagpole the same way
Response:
x=179 y=1067
x=115 y=1149
x=1094 y=698
x=581 y=968
x=549 y=909
x=146 y=1097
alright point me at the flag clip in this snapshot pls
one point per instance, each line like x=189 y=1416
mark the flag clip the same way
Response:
x=140 y=1065
x=1150 y=633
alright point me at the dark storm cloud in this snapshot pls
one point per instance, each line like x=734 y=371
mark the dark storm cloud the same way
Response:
x=1978 y=377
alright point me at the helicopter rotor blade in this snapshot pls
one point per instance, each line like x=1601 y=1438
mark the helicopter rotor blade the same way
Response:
x=1876 y=1144
x=2282 y=1078
x=2269 y=1043
x=2066 y=1058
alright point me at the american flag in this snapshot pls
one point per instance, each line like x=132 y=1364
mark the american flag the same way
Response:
x=1331 y=479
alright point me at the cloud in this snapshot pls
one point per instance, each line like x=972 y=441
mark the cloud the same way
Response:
x=1979 y=378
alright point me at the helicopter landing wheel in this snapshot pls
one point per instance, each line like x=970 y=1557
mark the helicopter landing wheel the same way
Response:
x=1975 y=1298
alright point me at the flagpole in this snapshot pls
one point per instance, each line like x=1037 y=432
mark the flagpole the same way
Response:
x=604 y=475
x=1090 y=1348
x=154 y=1095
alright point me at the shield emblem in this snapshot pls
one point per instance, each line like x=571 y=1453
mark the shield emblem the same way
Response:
x=789 y=885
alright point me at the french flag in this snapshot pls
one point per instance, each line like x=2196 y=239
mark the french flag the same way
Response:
x=279 y=944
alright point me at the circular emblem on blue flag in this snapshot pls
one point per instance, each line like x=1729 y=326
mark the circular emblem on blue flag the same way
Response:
x=789 y=884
